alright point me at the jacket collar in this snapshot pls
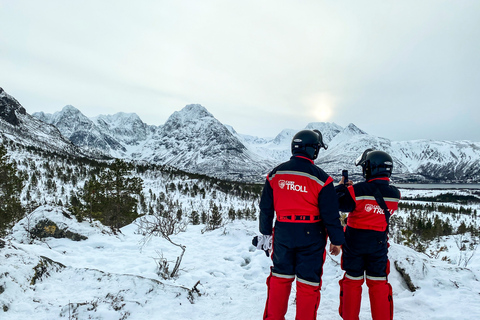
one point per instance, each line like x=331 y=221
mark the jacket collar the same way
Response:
x=380 y=179
x=302 y=157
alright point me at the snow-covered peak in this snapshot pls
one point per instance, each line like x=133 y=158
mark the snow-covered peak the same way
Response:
x=353 y=129
x=323 y=126
x=126 y=127
x=8 y=107
x=119 y=118
x=284 y=137
x=70 y=109
x=28 y=130
x=327 y=129
x=189 y=113
x=67 y=118
x=81 y=130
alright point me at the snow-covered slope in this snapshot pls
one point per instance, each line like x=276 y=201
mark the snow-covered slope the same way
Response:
x=113 y=277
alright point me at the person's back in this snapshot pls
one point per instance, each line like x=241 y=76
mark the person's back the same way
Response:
x=365 y=253
x=367 y=213
x=303 y=199
x=296 y=185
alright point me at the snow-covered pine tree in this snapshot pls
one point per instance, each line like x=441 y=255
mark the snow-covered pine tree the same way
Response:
x=10 y=188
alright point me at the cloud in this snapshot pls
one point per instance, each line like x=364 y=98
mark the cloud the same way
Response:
x=259 y=66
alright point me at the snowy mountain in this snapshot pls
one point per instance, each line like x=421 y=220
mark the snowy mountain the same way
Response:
x=18 y=126
x=421 y=160
x=192 y=139
x=127 y=128
x=82 y=131
x=417 y=160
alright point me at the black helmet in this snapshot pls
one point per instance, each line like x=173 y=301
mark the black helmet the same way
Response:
x=308 y=143
x=375 y=164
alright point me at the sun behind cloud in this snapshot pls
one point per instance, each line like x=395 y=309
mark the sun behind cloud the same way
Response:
x=320 y=106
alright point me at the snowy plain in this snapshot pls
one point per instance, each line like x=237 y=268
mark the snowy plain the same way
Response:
x=114 y=277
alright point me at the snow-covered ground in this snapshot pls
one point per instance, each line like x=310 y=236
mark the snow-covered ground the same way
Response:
x=114 y=277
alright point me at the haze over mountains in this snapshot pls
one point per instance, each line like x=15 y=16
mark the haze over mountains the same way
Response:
x=193 y=140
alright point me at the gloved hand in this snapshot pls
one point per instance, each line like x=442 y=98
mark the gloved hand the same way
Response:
x=263 y=242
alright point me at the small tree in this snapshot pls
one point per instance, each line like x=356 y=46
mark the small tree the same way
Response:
x=231 y=213
x=195 y=218
x=163 y=224
x=179 y=214
x=119 y=194
x=204 y=217
x=112 y=198
x=214 y=220
x=11 y=184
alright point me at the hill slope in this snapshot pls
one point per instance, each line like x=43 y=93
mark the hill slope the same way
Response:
x=108 y=276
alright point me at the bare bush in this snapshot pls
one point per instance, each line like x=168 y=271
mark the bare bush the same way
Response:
x=163 y=224
x=467 y=248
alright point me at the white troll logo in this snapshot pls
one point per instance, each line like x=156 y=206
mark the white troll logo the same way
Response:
x=295 y=187
x=375 y=208
x=291 y=186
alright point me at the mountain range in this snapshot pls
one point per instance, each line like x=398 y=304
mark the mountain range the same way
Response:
x=193 y=140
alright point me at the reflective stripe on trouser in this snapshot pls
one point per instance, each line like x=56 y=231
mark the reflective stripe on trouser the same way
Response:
x=308 y=300
x=381 y=300
x=350 y=297
x=279 y=287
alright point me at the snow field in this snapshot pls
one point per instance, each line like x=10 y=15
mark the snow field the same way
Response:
x=114 y=277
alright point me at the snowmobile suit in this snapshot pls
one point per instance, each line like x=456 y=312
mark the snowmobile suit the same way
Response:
x=366 y=247
x=303 y=198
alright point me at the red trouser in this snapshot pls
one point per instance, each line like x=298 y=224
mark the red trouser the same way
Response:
x=350 y=297
x=308 y=298
x=381 y=301
x=365 y=253
x=379 y=291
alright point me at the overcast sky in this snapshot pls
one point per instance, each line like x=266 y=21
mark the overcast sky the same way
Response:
x=402 y=70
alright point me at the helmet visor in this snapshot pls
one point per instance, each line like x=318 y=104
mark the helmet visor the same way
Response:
x=321 y=144
x=361 y=160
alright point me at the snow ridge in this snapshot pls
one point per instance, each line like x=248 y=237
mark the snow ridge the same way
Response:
x=192 y=139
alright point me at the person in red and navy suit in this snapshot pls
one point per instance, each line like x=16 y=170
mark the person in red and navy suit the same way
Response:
x=303 y=198
x=366 y=236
